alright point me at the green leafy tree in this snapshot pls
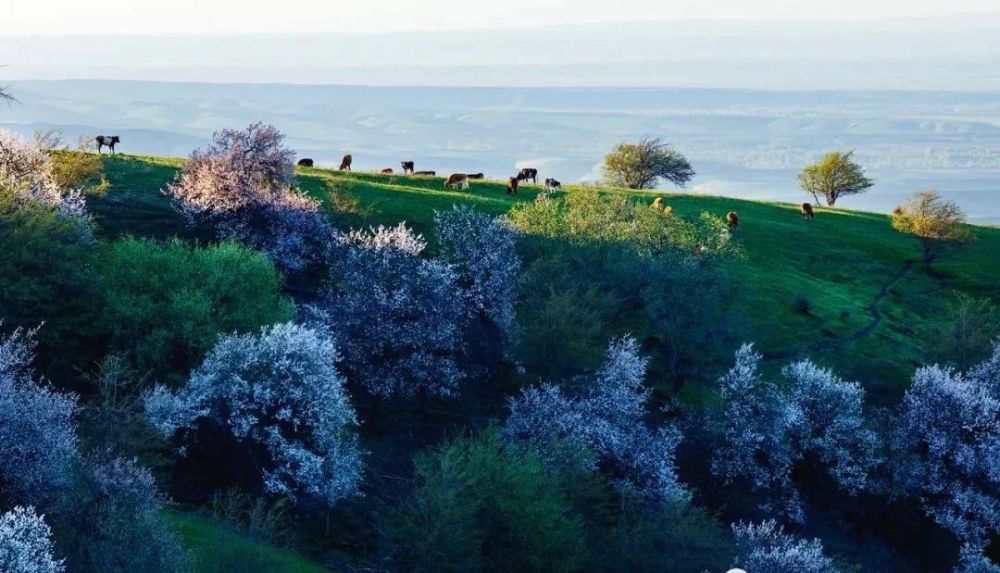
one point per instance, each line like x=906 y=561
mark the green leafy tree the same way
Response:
x=166 y=304
x=482 y=504
x=640 y=165
x=834 y=176
x=934 y=222
x=965 y=334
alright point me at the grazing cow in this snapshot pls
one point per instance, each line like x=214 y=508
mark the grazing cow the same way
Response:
x=387 y=171
x=426 y=173
x=407 y=167
x=552 y=185
x=476 y=176
x=512 y=183
x=457 y=181
x=807 y=211
x=733 y=220
x=528 y=173
x=107 y=140
x=345 y=163
x=306 y=162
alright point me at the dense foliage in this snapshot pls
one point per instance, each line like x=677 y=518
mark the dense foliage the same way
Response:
x=280 y=395
x=395 y=315
x=243 y=185
x=25 y=544
x=165 y=304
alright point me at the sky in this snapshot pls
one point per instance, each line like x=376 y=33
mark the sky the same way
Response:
x=73 y=17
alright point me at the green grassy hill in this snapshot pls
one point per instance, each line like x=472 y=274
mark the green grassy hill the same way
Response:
x=872 y=310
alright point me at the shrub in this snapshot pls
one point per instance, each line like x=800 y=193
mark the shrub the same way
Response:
x=242 y=184
x=946 y=440
x=608 y=421
x=280 y=396
x=37 y=432
x=46 y=257
x=483 y=253
x=766 y=548
x=111 y=520
x=166 y=304
x=767 y=429
x=482 y=503
x=25 y=543
x=802 y=304
x=394 y=315
x=26 y=177
x=934 y=222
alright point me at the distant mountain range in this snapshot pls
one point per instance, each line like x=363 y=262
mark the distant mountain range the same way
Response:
x=958 y=53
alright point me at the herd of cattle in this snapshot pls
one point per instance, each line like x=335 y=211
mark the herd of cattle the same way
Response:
x=460 y=181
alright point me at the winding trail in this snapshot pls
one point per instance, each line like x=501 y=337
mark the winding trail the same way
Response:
x=873 y=311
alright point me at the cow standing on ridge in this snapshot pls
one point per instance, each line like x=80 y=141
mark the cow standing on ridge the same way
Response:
x=407 y=167
x=528 y=173
x=345 y=164
x=107 y=140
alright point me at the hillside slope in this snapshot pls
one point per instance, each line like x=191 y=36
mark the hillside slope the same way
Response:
x=873 y=312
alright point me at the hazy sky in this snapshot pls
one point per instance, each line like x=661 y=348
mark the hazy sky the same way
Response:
x=290 y=16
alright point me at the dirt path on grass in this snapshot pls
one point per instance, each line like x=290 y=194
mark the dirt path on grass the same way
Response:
x=872 y=310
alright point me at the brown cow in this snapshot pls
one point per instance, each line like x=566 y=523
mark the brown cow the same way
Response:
x=387 y=171
x=457 y=181
x=345 y=163
x=512 y=183
x=407 y=167
x=306 y=162
x=426 y=173
x=476 y=176
x=807 y=211
x=528 y=173
x=733 y=220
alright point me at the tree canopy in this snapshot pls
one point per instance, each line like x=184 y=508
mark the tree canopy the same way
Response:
x=834 y=176
x=639 y=165
x=933 y=221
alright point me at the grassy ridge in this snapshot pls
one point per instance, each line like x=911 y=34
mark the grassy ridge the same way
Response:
x=871 y=307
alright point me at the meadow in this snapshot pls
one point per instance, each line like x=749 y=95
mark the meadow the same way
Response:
x=844 y=289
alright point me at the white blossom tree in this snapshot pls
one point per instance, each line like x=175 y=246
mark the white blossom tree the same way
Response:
x=26 y=543
x=767 y=429
x=38 y=437
x=608 y=420
x=948 y=445
x=26 y=175
x=395 y=316
x=483 y=252
x=766 y=548
x=281 y=391
x=971 y=560
x=243 y=185
x=832 y=426
x=756 y=427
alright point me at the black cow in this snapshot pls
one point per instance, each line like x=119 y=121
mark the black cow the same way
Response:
x=407 y=167
x=107 y=140
x=528 y=173
x=306 y=162
x=476 y=176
